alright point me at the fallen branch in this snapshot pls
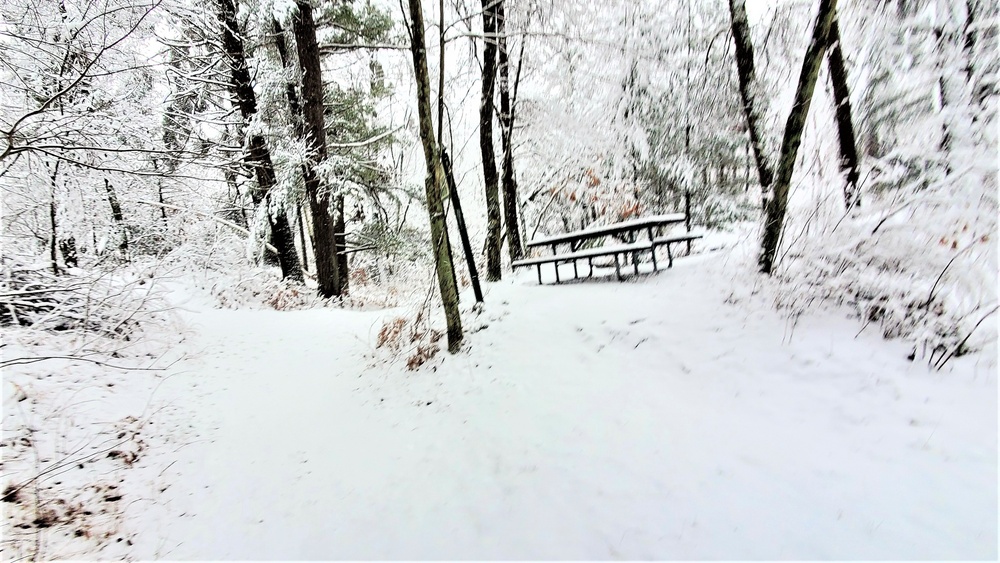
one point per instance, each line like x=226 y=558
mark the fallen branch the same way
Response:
x=27 y=360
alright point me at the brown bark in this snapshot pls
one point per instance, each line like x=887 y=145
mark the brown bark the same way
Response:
x=748 y=89
x=776 y=205
x=845 y=124
x=435 y=180
x=508 y=179
x=490 y=176
x=324 y=226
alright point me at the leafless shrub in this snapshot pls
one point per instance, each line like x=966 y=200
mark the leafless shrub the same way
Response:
x=88 y=302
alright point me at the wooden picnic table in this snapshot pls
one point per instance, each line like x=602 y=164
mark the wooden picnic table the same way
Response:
x=627 y=230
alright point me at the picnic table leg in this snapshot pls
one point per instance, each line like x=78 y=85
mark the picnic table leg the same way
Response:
x=590 y=263
x=539 y=266
x=670 y=257
x=635 y=262
x=575 y=273
x=556 y=266
x=687 y=217
x=618 y=269
x=652 y=252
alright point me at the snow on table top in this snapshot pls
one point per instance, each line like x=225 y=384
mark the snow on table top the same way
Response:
x=632 y=224
x=587 y=253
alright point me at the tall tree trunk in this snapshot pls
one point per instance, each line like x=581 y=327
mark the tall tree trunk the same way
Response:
x=303 y=241
x=508 y=180
x=435 y=180
x=324 y=227
x=53 y=225
x=946 y=89
x=492 y=179
x=776 y=205
x=845 y=123
x=258 y=157
x=440 y=138
x=295 y=111
x=116 y=214
x=748 y=89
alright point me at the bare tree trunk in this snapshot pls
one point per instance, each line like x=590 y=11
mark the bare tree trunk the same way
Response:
x=508 y=180
x=748 y=89
x=159 y=186
x=440 y=141
x=116 y=214
x=159 y=195
x=492 y=179
x=845 y=123
x=969 y=43
x=303 y=241
x=258 y=156
x=53 y=225
x=324 y=226
x=463 y=232
x=435 y=181
x=776 y=205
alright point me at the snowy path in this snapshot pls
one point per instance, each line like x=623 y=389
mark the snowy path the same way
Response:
x=590 y=421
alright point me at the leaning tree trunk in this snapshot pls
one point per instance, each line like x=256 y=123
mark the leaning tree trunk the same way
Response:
x=435 y=180
x=258 y=157
x=492 y=179
x=508 y=180
x=776 y=205
x=748 y=90
x=845 y=124
x=324 y=229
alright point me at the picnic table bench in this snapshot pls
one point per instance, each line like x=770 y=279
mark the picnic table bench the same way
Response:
x=628 y=230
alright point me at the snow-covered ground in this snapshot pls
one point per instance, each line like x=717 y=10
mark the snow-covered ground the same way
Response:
x=667 y=417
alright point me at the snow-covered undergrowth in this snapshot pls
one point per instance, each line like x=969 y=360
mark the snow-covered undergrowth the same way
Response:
x=917 y=258
x=920 y=262
x=82 y=356
x=222 y=274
